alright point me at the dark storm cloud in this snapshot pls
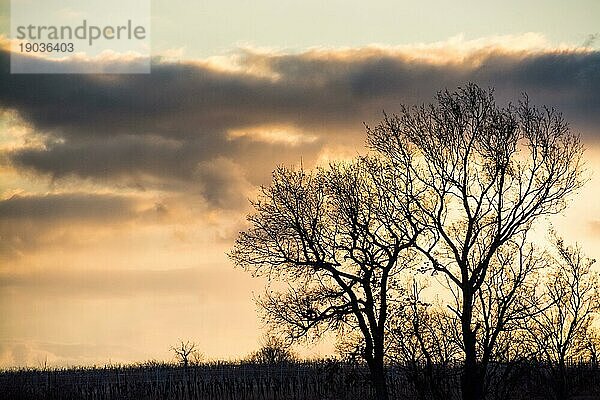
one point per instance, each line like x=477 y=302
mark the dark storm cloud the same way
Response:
x=169 y=128
x=111 y=157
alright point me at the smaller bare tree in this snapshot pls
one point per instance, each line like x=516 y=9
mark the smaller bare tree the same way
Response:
x=562 y=331
x=273 y=350
x=591 y=346
x=187 y=353
x=426 y=342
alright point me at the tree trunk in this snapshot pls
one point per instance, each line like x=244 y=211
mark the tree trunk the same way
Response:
x=378 y=373
x=473 y=377
x=473 y=380
x=378 y=379
x=561 y=382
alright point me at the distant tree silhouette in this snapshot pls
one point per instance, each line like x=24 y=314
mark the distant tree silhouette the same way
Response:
x=337 y=239
x=187 y=352
x=476 y=177
x=562 y=329
x=273 y=350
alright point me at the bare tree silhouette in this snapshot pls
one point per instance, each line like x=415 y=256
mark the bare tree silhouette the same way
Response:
x=591 y=346
x=506 y=299
x=562 y=330
x=425 y=340
x=478 y=175
x=187 y=352
x=273 y=350
x=338 y=240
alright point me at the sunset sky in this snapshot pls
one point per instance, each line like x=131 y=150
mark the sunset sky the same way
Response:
x=120 y=194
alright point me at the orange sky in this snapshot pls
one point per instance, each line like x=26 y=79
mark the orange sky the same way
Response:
x=119 y=195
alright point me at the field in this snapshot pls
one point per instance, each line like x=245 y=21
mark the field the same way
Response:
x=294 y=381
x=210 y=381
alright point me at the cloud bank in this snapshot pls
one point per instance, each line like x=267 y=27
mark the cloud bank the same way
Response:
x=165 y=130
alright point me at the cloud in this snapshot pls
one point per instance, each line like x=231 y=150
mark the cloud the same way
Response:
x=590 y=39
x=33 y=221
x=223 y=183
x=66 y=207
x=110 y=282
x=107 y=62
x=205 y=129
x=31 y=353
x=594 y=227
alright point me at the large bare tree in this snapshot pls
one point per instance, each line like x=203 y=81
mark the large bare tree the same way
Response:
x=479 y=176
x=336 y=242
